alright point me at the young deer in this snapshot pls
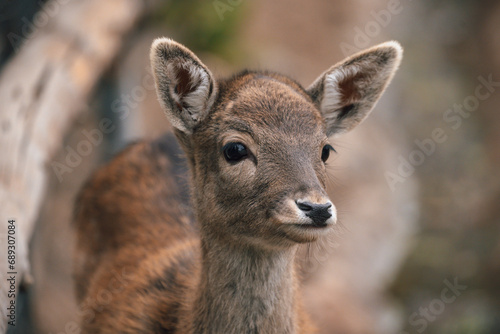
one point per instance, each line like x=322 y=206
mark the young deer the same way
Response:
x=256 y=145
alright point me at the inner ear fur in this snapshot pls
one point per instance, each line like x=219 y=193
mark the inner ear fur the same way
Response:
x=348 y=91
x=185 y=86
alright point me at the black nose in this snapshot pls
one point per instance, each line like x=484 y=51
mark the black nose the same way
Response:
x=319 y=213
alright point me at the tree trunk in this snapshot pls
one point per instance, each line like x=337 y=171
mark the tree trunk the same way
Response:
x=42 y=89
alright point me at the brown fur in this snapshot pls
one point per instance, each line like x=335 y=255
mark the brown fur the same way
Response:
x=143 y=266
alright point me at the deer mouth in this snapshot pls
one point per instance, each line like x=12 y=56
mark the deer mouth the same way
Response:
x=305 y=232
x=313 y=226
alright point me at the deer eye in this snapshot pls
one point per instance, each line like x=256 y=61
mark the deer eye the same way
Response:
x=325 y=153
x=234 y=152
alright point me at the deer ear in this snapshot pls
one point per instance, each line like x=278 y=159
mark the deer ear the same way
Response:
x=348 y=91
x=186 y=89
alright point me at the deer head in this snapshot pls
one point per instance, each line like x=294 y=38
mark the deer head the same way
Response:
x=257 y=143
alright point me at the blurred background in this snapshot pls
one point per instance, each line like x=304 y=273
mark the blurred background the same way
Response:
x=417 y=185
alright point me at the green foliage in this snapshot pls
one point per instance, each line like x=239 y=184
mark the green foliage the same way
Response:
x=202 y=26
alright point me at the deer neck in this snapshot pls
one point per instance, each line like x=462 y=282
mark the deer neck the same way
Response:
x=245 y=289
